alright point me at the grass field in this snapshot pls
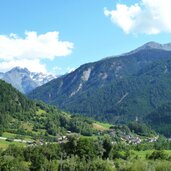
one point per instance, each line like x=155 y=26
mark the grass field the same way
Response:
x=4 y=144
x=8 y=135
x=27 y=126
x=16 y=136
x=40 y=112
x=143 y=154
x=101 y=126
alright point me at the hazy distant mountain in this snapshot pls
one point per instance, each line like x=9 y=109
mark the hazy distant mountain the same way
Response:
x=1 y=75
x=116 y=89
x=24 y=80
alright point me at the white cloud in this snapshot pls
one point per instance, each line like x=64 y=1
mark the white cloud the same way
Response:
x=32 y=65
x=70 y=69
x=56 y=68
x=29 y=51
x=146 y=16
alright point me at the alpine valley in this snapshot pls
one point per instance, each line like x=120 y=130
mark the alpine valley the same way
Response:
x=37 y=137
x=131 y=91
x=116 y=89
x=85 y=85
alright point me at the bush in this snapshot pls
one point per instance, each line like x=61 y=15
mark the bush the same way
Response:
x=163 y=166
x=139 y=165
x=158 y=154
x=75 y=163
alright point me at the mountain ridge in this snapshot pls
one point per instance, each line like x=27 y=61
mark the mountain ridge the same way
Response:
x=113 y=89
x=151 y=45
x=24 y=80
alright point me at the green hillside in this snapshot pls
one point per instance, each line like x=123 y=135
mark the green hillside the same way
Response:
x=21 y=116
x=13 y=105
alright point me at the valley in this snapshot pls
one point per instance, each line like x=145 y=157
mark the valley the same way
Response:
x=85 y=85
x=113 y=116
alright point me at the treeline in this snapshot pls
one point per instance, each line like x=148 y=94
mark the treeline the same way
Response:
x=141 y=129
x=82 y=154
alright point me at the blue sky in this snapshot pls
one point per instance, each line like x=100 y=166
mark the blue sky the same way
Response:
x=82 y=30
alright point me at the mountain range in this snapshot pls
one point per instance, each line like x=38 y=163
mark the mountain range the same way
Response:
x=115 y=89
x=24 y=80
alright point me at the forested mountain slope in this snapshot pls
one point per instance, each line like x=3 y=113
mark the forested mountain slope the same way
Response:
x=23 y=116
x=115 y=89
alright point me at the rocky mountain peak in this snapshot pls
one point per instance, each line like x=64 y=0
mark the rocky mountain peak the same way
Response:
x=155 y=45
x=19 y=69
x=24 y=80
x=151 y=46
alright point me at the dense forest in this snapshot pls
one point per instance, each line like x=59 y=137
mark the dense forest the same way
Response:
x=124 y=100
x=160 y=119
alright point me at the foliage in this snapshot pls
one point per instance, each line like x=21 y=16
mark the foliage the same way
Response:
x=158 y=154
x=140 y=128
x=22 y=116
x=160 y=119
x=81 y=154
x=74 y=163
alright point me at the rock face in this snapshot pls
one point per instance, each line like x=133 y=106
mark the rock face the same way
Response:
x=24 y=80
x=115 y=89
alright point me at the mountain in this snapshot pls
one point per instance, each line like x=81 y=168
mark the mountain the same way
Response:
x=24 y=80
x=19 y=115
x=1 y=75
x=116 y=89
x=12 y=102
x=153 y=45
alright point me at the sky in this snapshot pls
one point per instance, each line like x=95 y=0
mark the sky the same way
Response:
x=57 y=36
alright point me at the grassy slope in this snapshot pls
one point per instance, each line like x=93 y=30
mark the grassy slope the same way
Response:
x=101 y=126
x=4 y=144
x=143 y=154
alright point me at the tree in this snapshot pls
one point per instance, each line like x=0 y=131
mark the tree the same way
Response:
x=107 y=145
x=158 y=154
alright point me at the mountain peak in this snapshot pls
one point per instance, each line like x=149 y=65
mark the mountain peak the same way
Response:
x=25 y=80
x=19 y=69
x=151 y=46
x=155 y=45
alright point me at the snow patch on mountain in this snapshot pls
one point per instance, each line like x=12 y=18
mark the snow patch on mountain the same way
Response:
x=24 y=80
